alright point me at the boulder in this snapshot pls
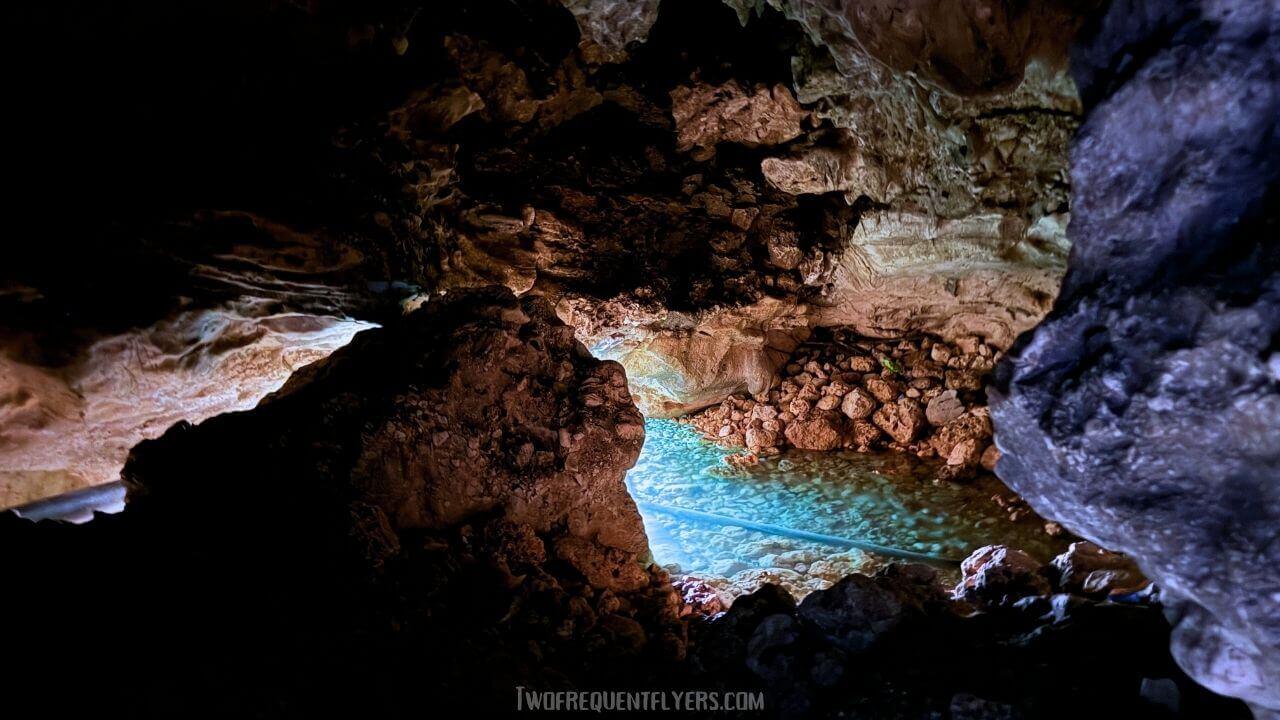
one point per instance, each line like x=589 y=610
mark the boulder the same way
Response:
x=858 y=405
x=903 y=420
x=996 y=575
x=821 y=430
x=944 y=408
x=1088 y=569
x=1142 y=412
x=706 y=115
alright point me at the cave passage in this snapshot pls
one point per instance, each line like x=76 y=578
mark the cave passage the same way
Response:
x=735 y=526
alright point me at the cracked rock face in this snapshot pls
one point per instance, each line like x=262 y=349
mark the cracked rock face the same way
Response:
x=1142 y=412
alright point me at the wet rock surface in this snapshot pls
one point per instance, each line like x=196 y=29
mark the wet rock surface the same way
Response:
x=1142 y=412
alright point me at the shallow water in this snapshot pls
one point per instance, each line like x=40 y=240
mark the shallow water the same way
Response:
x=885 y=499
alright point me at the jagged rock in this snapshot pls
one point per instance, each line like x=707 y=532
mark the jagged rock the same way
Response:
x=944 y=408
x=884 y=390
x=903 y=420
x=699 y=598
x=1088 y=569
x=1141 y=413
x=824 y=169
x=969 y=432
x=822 y=430
x=706 y=116
x=997 y=575
x=71 y=427
x=857 y=405
x=680 y=362
x=859 y=611
x=445 y=424
x=613 y=25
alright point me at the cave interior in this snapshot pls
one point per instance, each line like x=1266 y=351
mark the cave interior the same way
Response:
x=890 y=359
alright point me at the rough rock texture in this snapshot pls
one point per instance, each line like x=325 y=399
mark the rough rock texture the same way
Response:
x=706 y=116
x=894 y=645
x=482 y=403
x=1142 y=413
x=613 y=25
x=452 y=480
x=998 y=575
x=725 y=168
x=840 y=390
x=677 y=362
x=65 y=428
x=900 y=181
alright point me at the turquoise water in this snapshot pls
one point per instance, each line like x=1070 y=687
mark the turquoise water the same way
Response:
x=886 y=499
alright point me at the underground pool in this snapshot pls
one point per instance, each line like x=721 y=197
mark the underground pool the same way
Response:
x=805 y=519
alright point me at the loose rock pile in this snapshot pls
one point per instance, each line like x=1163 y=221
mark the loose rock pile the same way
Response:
x=922 y=396
x=1011 y=641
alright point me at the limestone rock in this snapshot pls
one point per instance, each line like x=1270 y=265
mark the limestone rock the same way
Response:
x=71 y=427
x=706 y=115
x=613 y=25
x=857 y=405
x=679 y=362
x=944 y=408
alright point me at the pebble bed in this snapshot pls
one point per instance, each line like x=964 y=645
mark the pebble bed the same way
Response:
x=887 y=498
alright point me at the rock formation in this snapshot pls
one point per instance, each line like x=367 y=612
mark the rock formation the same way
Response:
x=698 y=190
x=1142 y=413
x=844 y=391
x=453 y=480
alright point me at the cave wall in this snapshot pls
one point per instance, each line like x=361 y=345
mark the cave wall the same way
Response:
x=426 y=518
x=947 y=147
x=1142 y=413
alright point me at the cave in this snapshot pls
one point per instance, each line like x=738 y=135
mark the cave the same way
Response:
x=724 y=358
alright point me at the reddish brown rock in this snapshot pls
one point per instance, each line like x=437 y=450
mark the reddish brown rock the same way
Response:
x=858 y=405
x=971 y=427
x=997 y=575
x=759 y=438
x=883 y=389
x=603 y=567
x=966 y=453
x=902 y=420
x=707 y=115
x=990 y=457
x=865 y=435
x=819 y=431
x=1088 y=569
x=963 y=380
